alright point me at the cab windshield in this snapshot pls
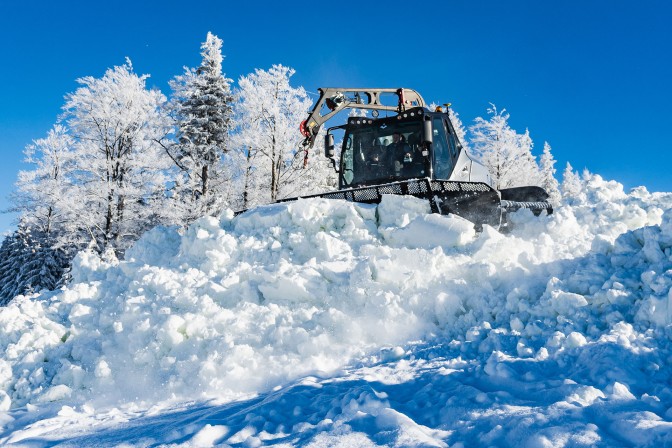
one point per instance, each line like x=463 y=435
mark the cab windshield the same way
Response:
x=382 y=152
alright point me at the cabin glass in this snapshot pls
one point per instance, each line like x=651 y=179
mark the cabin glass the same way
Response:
x=452 y=142
x=382 y=152
x=443 y=162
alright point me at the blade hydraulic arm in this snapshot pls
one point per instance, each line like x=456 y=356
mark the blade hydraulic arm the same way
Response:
x=337 y=99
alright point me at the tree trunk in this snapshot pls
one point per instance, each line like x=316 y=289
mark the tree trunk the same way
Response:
x=119 y=179
x=120 y=220
x=204 y=183
x=273 y=193
x=108 y=217
x=49 y=217
x=275 y=172
x=248 y=173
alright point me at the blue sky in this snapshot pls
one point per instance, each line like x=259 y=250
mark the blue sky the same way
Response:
x=590 y=77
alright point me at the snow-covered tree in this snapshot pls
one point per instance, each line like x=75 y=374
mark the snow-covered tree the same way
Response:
x=28 y=264
x=507 y=154
x=97 y=179
x=202 y=104
x=39 y=252
x=118 y=186
x=323 y=177
x=41 y=195
x=460 y=130
x=268 y=112
x=547 y=172
x=572 y=186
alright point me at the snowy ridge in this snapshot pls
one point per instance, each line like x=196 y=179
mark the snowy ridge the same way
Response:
x=321 y=322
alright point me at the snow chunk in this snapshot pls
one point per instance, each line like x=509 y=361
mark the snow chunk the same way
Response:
x=55 y=393
x=565 y=302
x=620 y=392
x=429 y=231
x=585 y=396
x=399 y=211
x=575 y=339
x=392 y=354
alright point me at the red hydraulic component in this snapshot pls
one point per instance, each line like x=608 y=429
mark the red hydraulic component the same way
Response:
x=303 y=129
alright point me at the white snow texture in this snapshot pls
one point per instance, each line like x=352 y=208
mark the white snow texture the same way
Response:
x=325 y=323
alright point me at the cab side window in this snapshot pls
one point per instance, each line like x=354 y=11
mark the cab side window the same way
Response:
x=347 y=161
x=442 y=157
x=452 y=144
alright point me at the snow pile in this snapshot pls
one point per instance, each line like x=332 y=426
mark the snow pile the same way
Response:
x=328 y=321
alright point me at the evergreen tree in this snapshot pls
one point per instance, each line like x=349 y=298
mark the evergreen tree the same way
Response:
x=267 y=112
x=203 y=107
x=548 y=180
x=29 y=263
x=572 y=186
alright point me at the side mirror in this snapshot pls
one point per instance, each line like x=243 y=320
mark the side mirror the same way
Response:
x=428 y=136
x=329 y=146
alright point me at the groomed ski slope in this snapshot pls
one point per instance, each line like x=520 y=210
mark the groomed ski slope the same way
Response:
x=324 y=323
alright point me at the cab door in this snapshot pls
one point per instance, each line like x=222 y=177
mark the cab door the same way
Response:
x=444 y=149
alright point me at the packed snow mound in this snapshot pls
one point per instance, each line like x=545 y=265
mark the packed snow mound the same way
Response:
x=234 y=307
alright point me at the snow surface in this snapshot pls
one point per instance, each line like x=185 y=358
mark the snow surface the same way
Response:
x=324 y=323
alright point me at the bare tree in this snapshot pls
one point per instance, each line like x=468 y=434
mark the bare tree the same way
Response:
x=507 y=154
x=119 y=183
x=268 y=112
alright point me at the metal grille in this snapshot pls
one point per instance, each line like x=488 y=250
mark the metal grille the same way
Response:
x=365 y=195
x=390 y=189
x=337 y=195
x=474 y=187
x=417 y=187
x=436 y=186
x=445 y=185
